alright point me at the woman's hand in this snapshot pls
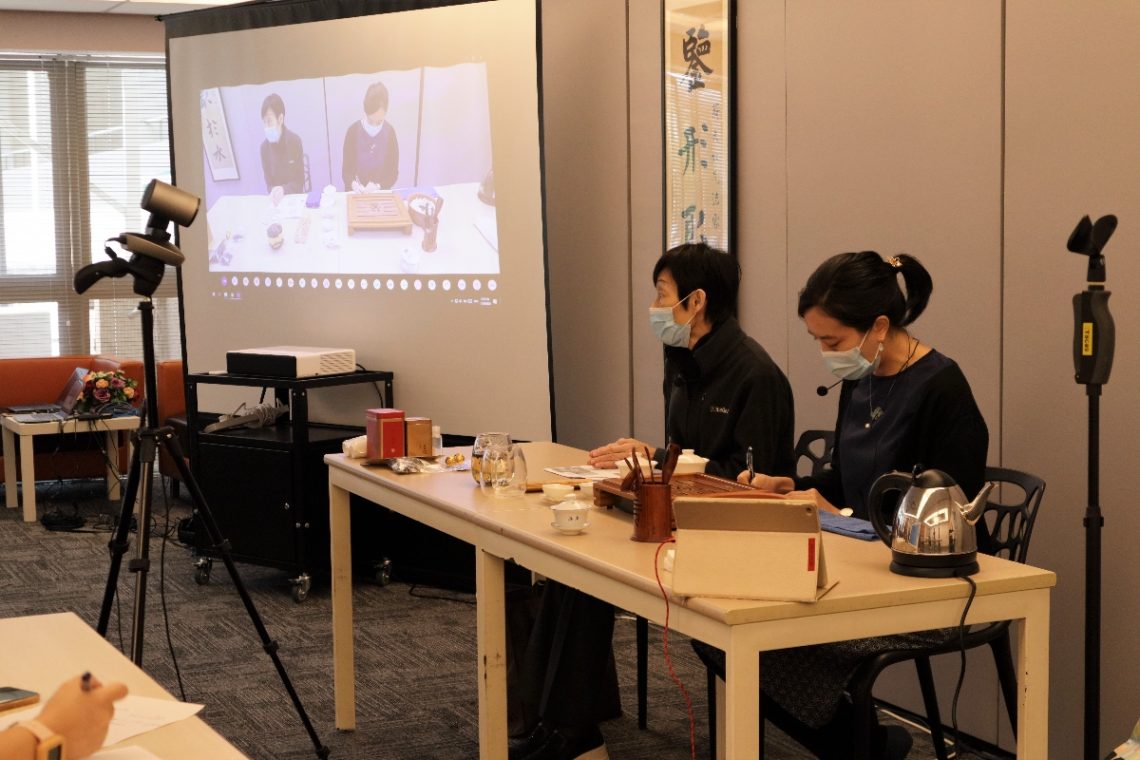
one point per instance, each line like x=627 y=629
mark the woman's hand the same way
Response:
x=772 y=483
x=607 y=457
x=276 y=194
x=82 y=717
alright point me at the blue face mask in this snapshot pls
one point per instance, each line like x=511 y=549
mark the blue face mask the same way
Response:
x=273 y=134
x=851 y=364
x=666 y=328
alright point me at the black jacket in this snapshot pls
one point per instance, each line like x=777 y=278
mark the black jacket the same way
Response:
x=283 y=162
x=725 y=395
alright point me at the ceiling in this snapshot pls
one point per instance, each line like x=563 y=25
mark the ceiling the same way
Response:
x=139 y=7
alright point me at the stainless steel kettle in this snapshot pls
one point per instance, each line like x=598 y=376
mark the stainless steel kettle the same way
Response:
x=933 y=533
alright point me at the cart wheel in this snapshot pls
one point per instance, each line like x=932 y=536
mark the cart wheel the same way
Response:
x=301 y=587
x=202 y=571
x=382 y=572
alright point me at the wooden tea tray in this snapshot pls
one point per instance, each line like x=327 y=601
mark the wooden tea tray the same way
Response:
x=377 y=211
x=608 y=492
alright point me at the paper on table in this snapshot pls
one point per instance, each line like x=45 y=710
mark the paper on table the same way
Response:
x=583 y=471
x=133 y=716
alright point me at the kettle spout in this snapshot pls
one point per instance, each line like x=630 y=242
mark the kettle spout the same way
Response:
x=973 y=510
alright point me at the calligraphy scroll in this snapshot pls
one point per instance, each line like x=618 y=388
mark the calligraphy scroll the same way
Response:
x=698 y=165
x=216 y=136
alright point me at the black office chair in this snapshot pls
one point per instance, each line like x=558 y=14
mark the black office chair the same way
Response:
x=815 y=446
x=1010 y=526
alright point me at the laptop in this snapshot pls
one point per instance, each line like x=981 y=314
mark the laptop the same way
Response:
x=63 y=408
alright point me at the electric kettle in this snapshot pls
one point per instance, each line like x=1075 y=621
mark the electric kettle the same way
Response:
x=933 y=532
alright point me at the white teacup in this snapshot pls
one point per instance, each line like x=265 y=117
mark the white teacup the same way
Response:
x=557 y=491
x=571 y=515
x=586 y=490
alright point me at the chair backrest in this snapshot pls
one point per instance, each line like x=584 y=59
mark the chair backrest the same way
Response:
x=816 y=447
x=307 y=182
x=1010 y=523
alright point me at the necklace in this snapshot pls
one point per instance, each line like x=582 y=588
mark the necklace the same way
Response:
x=876 y=412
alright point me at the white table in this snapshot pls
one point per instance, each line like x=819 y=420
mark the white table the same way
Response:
x=27 y=431
x=43 y=651
x=868 y=600
x=466 y=243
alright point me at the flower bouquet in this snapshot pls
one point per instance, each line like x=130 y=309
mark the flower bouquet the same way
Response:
x=107 y=390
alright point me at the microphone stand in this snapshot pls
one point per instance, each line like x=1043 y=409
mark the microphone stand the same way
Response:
x=1094 y=339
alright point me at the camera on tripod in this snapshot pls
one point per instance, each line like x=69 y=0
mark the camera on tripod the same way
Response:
x=151 y=251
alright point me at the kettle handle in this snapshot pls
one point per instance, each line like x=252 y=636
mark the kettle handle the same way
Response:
x=891 y=481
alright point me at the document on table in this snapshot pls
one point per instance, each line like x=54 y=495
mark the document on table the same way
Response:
x=133 y=716
x=584 y=471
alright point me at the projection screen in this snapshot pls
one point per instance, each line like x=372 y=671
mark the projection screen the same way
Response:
x=372 y=183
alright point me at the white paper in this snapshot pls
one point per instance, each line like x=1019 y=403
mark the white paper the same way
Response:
x=133 y=716
x=584 y=471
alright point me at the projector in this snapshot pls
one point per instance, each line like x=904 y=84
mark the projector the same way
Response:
x=291 y=361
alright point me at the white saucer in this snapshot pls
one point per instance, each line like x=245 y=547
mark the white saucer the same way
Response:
x=573 y=531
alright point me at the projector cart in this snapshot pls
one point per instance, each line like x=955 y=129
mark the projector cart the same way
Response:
x=268 y=487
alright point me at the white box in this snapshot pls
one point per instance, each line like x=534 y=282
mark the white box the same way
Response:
x=291 y=361
x=748 y=549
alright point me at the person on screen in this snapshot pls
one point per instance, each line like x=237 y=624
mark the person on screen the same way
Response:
x=902 y=404
x=79 y=713
x=371 y=151
x=282 y=156
x=723 y=394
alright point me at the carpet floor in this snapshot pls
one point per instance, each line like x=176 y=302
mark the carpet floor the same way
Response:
x=415 y=647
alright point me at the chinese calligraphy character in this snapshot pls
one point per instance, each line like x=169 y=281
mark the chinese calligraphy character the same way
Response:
x=689 y=149
x=693 y=220
x=695 y=45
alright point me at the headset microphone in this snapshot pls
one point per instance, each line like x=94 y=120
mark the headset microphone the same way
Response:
x=823 y=389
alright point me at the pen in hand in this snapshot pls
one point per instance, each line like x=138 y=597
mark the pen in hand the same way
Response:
x=748 y=464
x=85 y=681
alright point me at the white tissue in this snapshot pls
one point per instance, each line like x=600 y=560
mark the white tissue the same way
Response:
x=667 y=561
x=355 y=448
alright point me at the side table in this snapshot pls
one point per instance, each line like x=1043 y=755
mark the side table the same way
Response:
x=27 y=431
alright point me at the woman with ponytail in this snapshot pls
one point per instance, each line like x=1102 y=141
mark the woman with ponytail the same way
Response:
x=902 y=404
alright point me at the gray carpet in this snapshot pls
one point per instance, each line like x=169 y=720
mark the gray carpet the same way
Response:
x=415 y=648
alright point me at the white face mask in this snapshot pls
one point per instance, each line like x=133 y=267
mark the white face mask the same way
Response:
x=370 y=130
x=851 y=364
x=665 y=327
x=273 y=134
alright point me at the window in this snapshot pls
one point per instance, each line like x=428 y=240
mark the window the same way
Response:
x=80 y=138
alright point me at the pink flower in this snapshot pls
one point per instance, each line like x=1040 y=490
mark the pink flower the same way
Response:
x=102 y=395
x=117 y=382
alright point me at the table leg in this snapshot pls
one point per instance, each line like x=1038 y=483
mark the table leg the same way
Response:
x=28 y=476
x=10 y=484
x=742 y=695
x=112 y=449
x=491 y=617
x=344 y=669
x=1033 y=667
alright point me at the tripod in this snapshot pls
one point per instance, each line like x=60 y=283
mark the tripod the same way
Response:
x=1094 y=341
x=151 y=253
x=139 y=480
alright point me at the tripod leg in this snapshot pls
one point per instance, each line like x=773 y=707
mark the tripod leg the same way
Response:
x=119 y=542
x=170 y=442
x=140 y=565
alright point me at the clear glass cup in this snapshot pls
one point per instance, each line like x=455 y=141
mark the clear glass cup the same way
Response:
x=482 y=441
x=504 y=470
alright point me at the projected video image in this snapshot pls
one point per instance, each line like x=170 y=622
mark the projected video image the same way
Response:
x=381 y=173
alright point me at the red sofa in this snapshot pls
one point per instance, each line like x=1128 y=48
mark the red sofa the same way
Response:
x=35 y=380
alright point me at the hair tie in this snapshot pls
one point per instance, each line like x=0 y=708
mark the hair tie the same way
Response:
x=895 y=262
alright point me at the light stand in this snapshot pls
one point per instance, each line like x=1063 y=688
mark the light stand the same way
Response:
x=1094 y=339
x=150 y=255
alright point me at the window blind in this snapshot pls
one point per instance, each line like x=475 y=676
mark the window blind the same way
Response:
x=80 y=138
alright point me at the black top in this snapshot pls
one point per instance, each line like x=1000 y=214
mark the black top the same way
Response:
x=370 y=159
x=725 y=395
x=925 y=415
x=283 y=162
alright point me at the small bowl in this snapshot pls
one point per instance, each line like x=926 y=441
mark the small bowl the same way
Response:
x=571 y=515
x=646 y=467
x=690 y=462
x=586 y=490
x=557 y=491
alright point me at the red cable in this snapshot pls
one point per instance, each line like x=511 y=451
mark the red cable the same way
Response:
x=668 y=659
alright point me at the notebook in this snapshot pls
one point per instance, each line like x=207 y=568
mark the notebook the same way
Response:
x=61 y=409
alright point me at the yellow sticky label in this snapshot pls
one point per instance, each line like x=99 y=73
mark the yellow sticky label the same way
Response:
x=1086 y=339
